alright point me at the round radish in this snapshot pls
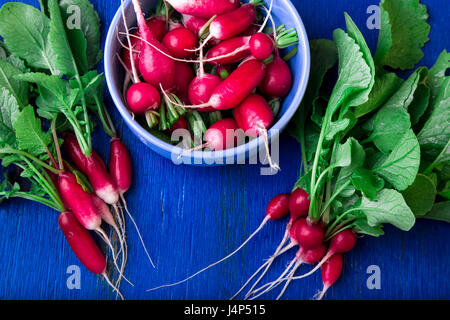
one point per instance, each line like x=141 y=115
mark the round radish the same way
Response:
x=143 y=97
x=179 y=40
x=278 y=80
x=309 y=235
x=299 y=204
x=261 y=46
x=201 y=89
x=218 y=136
x=314 y=255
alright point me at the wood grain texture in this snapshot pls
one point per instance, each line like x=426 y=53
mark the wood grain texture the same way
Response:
x=189 y=217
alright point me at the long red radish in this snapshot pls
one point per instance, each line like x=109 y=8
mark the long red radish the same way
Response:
x=229 y=51
x=107 y=216
x=84 y=246
x=155 y=67
x=276 y=209
x=203 y=8
x=120 y=167
x=94 y=168
x=331 y=271
x=278 y=80
x=255 y=117
x=195 y=24
x=235 y=88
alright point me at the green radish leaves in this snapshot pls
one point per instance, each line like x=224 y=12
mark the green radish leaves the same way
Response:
x=388 y=207
x=25 y=30
x=404 y=31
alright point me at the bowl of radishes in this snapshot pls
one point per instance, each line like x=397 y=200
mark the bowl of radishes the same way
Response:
x=207 y=82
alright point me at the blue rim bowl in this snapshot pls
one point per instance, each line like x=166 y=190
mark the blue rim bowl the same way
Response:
x=283 y=12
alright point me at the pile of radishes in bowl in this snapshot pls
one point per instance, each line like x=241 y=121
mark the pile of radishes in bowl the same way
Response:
x=211 y=68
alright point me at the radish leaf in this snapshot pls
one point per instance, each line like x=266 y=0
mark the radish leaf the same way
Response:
x=404 y=31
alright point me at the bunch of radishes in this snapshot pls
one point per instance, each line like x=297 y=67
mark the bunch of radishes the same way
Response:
x=300 y=232
x=246 y=74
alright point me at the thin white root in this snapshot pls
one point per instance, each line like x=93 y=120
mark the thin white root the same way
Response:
x=199 y=106
x=270 y=261
x=273 y=165
x=202 y=45
x=137 y=230
x=245 y=47
x=133 y=66
x=321 y=294
x=288 y=282
x=272 y=285
x=112 y=286
x=186 y=152
x=216 y=263
x=266 y=20
x=105 y=238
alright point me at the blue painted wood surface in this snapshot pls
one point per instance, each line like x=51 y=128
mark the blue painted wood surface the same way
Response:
x=189 y=217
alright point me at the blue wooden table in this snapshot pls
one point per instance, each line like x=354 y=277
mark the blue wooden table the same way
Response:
x=189 y=217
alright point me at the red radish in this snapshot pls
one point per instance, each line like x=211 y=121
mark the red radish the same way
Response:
x=303 y=255
x=342 y=242
x=331 y=271
x=84 y=246
x=309 y=234
x=79 y=201
x=229 y=51
x=278 y=207
x=203 y=8
x=120 y=167
x=274 y=211
x=299 y=203
x=185 y=75
x=155 y=67
x=278 y=80
x=180 y=124
x=158 y=28
x=201 y=89
x=255 y=117
x=143 y=97
x=261 y=46
x=218 y=136
x=195 y=24
x=94 y=168
x=180 y=41
x=82 y=243
x=254 y=114
x=232 y=23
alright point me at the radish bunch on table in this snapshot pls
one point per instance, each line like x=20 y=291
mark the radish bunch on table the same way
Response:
x=209 y=57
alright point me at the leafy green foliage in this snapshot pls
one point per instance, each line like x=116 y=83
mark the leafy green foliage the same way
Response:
x=16 y=88
x=27 y=40
x=404 y=31
x=421 y=195
x=440 y=212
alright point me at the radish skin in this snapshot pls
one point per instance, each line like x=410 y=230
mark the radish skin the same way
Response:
x=278 y=80
x=203 y=8
x=180 y=41
x=155 y=67
x=143 y=97
x=331 y=271
x=82 y=243
x=185 y=75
